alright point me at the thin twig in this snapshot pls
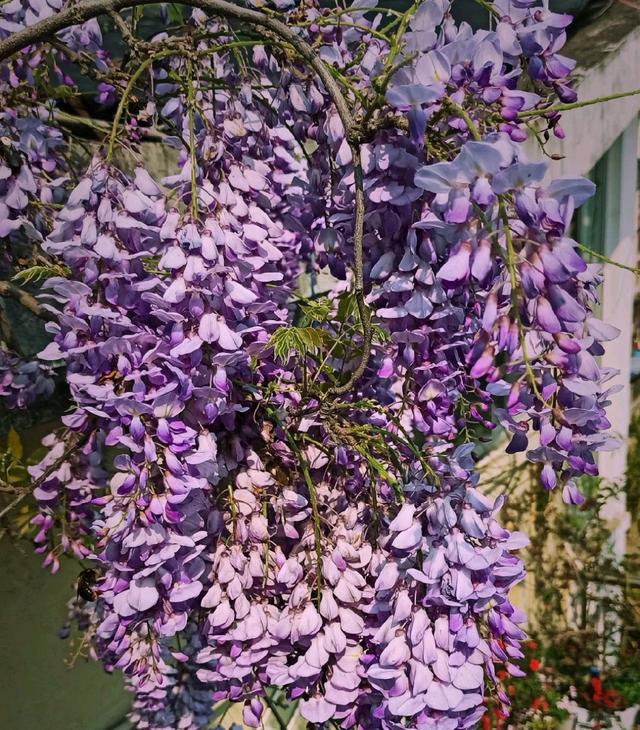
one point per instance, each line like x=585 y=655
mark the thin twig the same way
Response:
x=137 y=45
x=576 y=104
x=607 y=259
x=191 y=105
x=74 y=444
x=100 y=128
x=127 y=93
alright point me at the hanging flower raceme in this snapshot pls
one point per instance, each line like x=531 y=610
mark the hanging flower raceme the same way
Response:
x=200 y=305
x=70 y=481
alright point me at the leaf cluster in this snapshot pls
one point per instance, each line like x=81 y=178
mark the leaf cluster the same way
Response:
x=289 y=340
x=39 y=272
x=322 y=328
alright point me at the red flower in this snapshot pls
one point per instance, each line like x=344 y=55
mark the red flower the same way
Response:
x=611 y=698
x=540 y=703
x=532 y=644
x=535 y=665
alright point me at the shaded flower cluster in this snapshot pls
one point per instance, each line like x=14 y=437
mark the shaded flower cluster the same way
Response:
x=23 y=382
x=31 y=181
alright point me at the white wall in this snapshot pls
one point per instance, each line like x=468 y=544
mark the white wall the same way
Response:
x=590 y=132
x=617 y=307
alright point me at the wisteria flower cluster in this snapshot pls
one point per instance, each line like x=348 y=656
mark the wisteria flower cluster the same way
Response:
x=272 y=490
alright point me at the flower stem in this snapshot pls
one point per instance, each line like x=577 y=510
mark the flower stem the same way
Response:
x=125 y=97
x=464 y=114
x=577 y=104
x=313 y=499
x=607 y=259
x=396 y=47
x=191 y=101
x=510 y=260
x=358 y=276
x=515 y=304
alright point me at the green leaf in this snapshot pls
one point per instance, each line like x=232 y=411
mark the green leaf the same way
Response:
x=16 y=473
x=380 y=335
x=347 y=306
x=36 y=273
x=14 y=444
x=23 y=520
x=316 y=310
x=303 y=340
x=221 y=710
x=310 y=146
x=176 y=16
x=377 y=466
x=150 y=265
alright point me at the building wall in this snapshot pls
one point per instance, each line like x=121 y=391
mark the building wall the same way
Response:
x=618 y=297
x=591 y=130
x=611 y=53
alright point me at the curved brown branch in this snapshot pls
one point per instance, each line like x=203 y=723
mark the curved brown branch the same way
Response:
x=11 y=291
x=86 y=9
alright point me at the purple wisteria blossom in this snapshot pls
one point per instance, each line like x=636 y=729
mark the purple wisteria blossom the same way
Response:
x=251 y=525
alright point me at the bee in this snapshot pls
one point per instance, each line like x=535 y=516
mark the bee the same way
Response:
x=114 y=375
x=115 y=378
x=86 y=585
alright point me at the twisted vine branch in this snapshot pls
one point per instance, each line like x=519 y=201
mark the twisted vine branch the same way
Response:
x=85 y=10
